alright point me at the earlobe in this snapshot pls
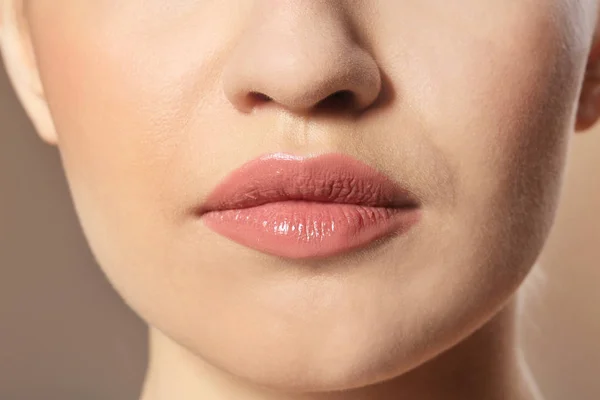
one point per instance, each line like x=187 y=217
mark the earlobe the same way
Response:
x=588 y=111
x=19 y=60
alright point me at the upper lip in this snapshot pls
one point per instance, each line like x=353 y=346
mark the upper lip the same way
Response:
x=332 y=178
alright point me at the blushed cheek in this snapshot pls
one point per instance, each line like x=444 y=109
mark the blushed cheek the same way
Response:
x=112 y=127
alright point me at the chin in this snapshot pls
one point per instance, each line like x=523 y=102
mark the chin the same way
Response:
x=339 y=350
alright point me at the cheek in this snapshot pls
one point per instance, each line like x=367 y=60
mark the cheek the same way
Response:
x=121 y=111
x=120 y=116
x=494 y=89
x=502 y=109
x=133 y=130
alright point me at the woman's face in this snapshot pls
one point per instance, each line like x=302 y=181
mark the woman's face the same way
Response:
x=469 y=103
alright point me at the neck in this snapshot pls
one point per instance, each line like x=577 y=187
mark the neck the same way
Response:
x=485 y=365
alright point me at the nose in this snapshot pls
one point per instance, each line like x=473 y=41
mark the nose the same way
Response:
x=301 y=58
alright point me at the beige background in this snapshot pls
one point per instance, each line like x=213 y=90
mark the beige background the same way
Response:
x=65 y=334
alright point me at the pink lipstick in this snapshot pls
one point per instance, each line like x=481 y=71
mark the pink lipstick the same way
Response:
x=297 y=207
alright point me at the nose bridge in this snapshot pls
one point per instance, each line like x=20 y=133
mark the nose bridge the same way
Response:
x=298 y=56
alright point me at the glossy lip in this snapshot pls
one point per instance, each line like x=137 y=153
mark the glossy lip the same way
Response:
x=299 y=207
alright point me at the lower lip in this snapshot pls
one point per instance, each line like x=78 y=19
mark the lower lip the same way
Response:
x=300 y=229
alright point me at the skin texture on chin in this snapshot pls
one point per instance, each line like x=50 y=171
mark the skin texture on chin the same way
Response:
x=474 y=108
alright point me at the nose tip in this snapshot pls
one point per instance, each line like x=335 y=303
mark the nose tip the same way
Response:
x=301 y=72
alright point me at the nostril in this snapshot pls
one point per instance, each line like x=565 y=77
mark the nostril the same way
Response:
x=338 y=100
x=335 y=102
x=258 y=98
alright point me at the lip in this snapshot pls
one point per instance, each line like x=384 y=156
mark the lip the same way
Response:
x=297 y=207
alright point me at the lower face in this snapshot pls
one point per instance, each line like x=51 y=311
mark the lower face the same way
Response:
x=482 y=105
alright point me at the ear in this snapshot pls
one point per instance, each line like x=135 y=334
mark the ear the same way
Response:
x=588 y=111
x=21 y=67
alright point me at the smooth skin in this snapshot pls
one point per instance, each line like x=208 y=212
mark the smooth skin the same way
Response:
x=472 y=103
